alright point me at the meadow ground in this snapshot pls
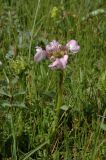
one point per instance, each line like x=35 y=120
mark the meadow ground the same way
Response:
x=28 y=90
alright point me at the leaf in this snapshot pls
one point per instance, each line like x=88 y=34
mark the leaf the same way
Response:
x=5 y=94
x=21 y=105
x=6 y=77
x=103 y=126
x=27 y=155
x=64 y=107
x=15 y=80
x=19 y=93
x=6 y=104
x=17 y=104
x=94 y=13
x=11 y=52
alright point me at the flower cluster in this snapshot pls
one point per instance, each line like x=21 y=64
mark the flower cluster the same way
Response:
x=57 y=53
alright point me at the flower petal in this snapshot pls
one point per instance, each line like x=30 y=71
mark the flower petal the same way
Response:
x=63 y=61
x=73 y=46
x=53 y=46
x=59 y=63
x=40 y=54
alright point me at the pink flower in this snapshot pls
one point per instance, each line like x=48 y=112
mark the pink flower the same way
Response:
x=40 y=54
x=53 y=46
x=73 y=46
x=59 y=63
x=57 y=53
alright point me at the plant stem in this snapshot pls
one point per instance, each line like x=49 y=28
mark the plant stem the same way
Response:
x=60 y=93
x=58 y=103
x=14 y=153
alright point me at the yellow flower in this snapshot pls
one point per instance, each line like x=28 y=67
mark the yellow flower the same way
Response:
x=54 y=12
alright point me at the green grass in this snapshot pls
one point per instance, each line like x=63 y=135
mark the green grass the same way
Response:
x=28 y=91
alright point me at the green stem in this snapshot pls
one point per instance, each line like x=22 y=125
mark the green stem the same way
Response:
x=14 y=153
x=60 y=93
x=58 y=104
